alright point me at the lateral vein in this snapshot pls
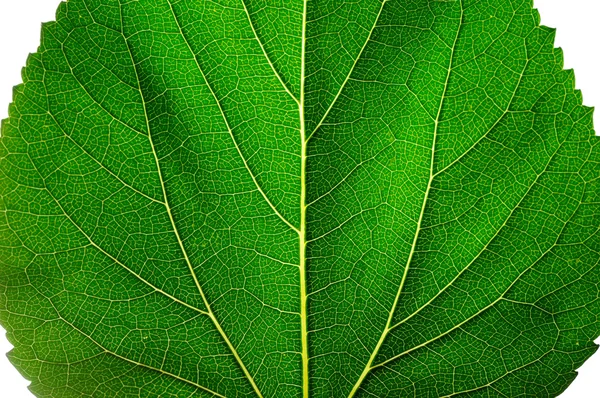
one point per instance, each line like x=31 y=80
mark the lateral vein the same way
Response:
x=102 y=166
x=502 y=296
x=136 y=363
x=116 y=260
x=349 y=72
x=504 y=113
x=262 y=47
x=489 y=242
x=229 y=129
x=369 y=366
x=211 y=314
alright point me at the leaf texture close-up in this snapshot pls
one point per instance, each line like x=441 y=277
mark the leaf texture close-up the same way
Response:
x=294 y=198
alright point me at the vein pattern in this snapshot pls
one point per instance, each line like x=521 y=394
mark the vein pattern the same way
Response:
x=233 y=198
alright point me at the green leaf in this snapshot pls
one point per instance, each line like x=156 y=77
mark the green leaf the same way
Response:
x=297 y=198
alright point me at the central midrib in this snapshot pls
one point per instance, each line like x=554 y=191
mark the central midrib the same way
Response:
x=303 y=205
x=302 y=232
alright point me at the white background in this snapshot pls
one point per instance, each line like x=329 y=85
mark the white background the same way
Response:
x=578 y=35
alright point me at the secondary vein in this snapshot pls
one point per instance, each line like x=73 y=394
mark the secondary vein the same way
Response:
x=211 y=314
x=262 y=47
x=349 y=72
x=228 y=126
x=502 y=296
x=116 y=260
x=499 y=229
x=369 y=366
x=136 y=363
x=99 y=163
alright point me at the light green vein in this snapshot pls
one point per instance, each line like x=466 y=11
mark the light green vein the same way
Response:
x=349 y=72
x=262 y=47
x=109 y=113
x=211 y=313
x=228 y=126
x=490 y=241
x=483 y=136
x=484 y=309
x=93 y=158
x=354 y=169
x=467 y=320
x=102 y=166
x=369 y=366
x=113 y=258
x=108 y=352
x=490 y=384
x=303 y=270
x=499 y=229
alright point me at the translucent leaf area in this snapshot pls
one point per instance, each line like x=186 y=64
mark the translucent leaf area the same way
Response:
x=294 y=198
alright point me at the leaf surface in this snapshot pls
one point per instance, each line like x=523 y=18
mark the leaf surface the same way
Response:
x=299 y=199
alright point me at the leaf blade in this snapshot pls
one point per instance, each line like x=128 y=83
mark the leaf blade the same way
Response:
x=161 y=195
